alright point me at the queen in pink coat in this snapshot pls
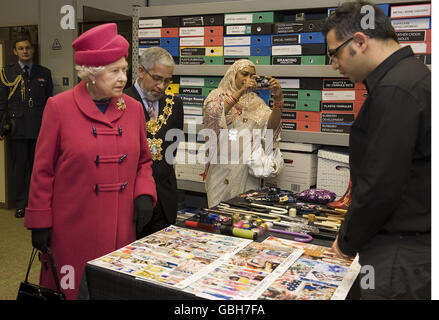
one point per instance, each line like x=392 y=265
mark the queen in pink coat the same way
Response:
x=92 y=166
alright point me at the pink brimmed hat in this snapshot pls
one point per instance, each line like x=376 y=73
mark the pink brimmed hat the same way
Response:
x=100 y=46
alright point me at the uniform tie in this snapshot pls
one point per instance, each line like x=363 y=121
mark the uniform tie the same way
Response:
x=151 y=111
x=26 y=71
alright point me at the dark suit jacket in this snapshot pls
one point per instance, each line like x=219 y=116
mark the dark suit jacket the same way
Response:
x=163 y=172
x=26 y=113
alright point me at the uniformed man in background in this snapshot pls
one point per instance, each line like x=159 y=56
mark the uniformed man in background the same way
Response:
x=24 y=89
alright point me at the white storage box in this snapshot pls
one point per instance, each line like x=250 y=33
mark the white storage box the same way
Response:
x=299 y=172
x=187 y=166
x=333 y=171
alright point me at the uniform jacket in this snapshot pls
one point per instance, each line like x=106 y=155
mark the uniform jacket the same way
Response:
x=26 y=113
x=163 y=172
x=89 y=167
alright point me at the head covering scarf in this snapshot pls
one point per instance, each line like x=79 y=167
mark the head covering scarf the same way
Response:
x=255 y=107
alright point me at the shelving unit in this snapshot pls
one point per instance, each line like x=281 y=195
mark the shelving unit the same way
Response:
x=292 y=71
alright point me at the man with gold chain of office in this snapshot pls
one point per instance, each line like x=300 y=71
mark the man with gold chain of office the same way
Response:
x=163 y=112
x=24 y=89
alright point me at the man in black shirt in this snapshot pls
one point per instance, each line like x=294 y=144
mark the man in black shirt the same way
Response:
x=389 y=220
x=24 y=89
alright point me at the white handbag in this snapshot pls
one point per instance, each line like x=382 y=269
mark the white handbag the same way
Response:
x=261 y=165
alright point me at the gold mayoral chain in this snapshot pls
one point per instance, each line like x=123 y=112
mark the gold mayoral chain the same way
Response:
x=153 y=126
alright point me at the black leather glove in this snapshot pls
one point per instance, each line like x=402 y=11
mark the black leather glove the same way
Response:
x=142 y=211
x=41 y=239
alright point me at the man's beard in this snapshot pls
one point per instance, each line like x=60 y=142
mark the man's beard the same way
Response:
x=150 y=97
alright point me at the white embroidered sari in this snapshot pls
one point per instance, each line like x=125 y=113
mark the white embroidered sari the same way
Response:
x=227 y=172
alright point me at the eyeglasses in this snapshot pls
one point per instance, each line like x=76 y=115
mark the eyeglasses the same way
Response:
x=159 y=79
x=332 y=53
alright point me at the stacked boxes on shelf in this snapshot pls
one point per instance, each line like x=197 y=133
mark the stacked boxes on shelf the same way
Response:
x=193 y=91
x=248 y=35
x=298 y=43
x=413 y=27
x=341 y=102
x=302 y=98
x=201 y=39
x=159 y=32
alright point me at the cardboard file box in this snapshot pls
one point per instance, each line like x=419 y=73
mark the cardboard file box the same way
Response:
x=201 y=41
x=165 y=22
x=251 y=17
x=299 y=172
x=419 y=47
x=200 y=81
x=203 y=20
x=336 y=95
x=298 y=38
x=258 y=60
x=309 y=126
x=187 y=166
x=301 y=83
x=333 y=170
x=201 y=51
x=298 y=26
x=303 y=94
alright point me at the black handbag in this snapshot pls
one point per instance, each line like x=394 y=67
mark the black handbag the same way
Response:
x=32 y=292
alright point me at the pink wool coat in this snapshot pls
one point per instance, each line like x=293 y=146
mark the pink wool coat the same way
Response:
x=89 y=167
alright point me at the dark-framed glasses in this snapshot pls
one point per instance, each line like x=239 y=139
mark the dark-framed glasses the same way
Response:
x=158 y=79
x=332 y=53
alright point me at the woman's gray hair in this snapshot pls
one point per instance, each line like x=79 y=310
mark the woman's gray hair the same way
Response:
x=84 y=72
x=153 y=55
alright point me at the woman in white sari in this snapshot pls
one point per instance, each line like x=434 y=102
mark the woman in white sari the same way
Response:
x=235 y=107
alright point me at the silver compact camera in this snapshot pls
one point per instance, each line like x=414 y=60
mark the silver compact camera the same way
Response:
x=262 y=82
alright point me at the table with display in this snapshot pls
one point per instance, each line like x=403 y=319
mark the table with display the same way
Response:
x=101 y=283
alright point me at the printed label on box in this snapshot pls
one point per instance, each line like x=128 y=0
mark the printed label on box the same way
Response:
x=190 y=91
x=286 y=125
x=286 y=50
x=413 y=10
x=338 y=117
x=149 y=33
x=238 y=18
x=338 y=84
x=287 y=39
x=338 y=95
x=411 y=24
x=289 y=83
x=414 y=36
x=191 y=31
x=335 y=127
x=189 y=81
x=192 y=100
x=237 y=51
x=237 y=41
x=237 y=30
x=150 y=23
x=191 y=41
x=296 y=60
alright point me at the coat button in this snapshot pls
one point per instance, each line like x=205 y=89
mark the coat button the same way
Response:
x=226 y=181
